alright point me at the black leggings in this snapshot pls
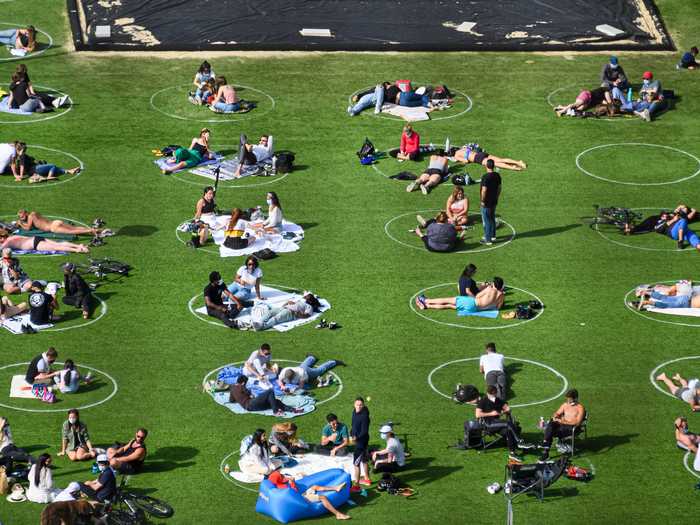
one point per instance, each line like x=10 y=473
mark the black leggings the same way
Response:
x=556 y=429
x=245 y=157
x=504 y=428
x=646 y=226
x=84 y=302
x=222 y=316
x=267 y=400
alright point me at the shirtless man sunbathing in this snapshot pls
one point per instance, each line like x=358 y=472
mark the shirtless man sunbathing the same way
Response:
x=28 y=220
x=18 y=242
x=489 y=298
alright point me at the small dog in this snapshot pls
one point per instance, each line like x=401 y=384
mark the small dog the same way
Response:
x=71 y=513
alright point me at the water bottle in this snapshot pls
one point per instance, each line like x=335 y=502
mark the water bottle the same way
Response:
x=629 y=95
x=447 y=146
x=274 y=164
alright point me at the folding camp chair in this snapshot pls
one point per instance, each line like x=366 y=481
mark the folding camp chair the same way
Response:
x=567 y=444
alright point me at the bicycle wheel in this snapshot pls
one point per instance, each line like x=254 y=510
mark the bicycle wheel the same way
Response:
x=122 y=517
x=153 y=506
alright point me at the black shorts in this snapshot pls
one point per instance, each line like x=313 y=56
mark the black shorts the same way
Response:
x=480 y=157
x=359 y=455
x=435 y=171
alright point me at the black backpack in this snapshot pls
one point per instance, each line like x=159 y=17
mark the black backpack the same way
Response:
x=285 y=162
x=465 y=393
x=389 y=483
x=367 y=149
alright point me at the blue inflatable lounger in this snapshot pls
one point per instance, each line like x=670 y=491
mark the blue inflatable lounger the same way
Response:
x=287 y=504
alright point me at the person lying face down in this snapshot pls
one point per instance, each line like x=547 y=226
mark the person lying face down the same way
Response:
x=489 y=298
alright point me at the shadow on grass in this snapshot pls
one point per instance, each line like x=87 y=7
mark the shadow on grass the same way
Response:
x=421 y=471
x=308 y=225
x=545 y=232
x=170 y=458
x=511 y=369
x=137 y=230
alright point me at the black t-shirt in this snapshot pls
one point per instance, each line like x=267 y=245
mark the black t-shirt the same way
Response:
x=108 y=482
x=492 y=182
x=390 y=94
x=486 y=405
x=467 y=283
x=214 y=291
x=40 y=307
x=33 y=369
x=19 y=93
x=74 y=284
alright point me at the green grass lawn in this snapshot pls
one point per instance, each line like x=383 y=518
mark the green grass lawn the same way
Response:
x=359 y=255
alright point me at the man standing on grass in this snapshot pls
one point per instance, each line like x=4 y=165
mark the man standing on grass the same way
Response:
x=490 y=191
x=359 y=433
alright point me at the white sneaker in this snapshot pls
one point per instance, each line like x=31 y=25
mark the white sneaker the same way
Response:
x=646 y=115
x=61 y=101
x=421 y=221
x=424 y=189
x=350 y=110
x=106 y=233
x=411 y=187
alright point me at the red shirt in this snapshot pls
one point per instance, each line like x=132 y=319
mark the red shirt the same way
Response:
x=410 y=144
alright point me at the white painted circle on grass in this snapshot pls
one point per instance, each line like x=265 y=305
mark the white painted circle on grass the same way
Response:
x=650 y=316
x=83 y=407
x=21 y=26
x=619 y=243
x=201 y=249
x=73 y=221
x=586 y=151
x=224 y=117
x=497 y=245
x=419 y=313
x=87 y=322
x=230 y=478
x=654 y=373
x=686 y=464
x=370 y=110
x=42 y=119
x=529 y=361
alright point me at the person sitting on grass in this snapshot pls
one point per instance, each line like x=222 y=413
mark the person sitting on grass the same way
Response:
x=75 y=440
x=489 y=409
x=284 y=441
x=41 y=489
x=33 y=220
x=25 y=166
x=437 y=172
x=457 y=207
x=41 y=305
x=473 y=154
x=8 y=450
x=206 y=205
x=688 y=59
x=8 y=309
x=214 y=301
x=252 y=154
x=688 y=391
x=311 y=494
x=23 y=38
x=68 y=380
x=77 y=291
x=334 y=437
x=14 y=280
x=392 y=457
x=226 y=99
x=491 y=297
x=239 y=393
x=466 y=284
x=246 y=284
x=39 y=369
x=259 y=365
x=273 y=222
x=129 y=458
x=189 y=157
x=305 y=373
x=386 y=91
x=410 y=144
x=255 y=455
x=104 y=488
x=235 y=235
x=613 y=76
x=651 y=99
x=564 y=422
x=33 y=244
x=686 y=439
x=201 y=82
x=291 y=310
x=440 y=235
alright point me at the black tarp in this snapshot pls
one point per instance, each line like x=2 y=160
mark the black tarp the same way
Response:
x=381 y=25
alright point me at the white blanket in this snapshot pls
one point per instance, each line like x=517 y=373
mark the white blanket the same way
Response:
x=14 y=324
x=17 y=388
x=307 y=464
x=688 y=312
x=275 y=242
x=408 y=114
x=696 y=463
x=275 y=297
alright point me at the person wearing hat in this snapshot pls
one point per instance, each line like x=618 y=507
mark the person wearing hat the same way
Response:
x=392 y=457
x=311 y=494
x=613 y=76
x=104 y=488
x=17 y=494
x=651 y=97
x=77 y=291
x=41 y=305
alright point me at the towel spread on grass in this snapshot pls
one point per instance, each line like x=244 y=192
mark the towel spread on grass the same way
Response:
x=18 y=388
x=46 y=235
x=302 y=466
x=163 y=163
x=274 y=241
x=5 y=108
x=230 y=374
x=415 y=114
x=306 y=403
x=14 y=324
x=228 y=169
x=275 y=297
x=489 y=314
x=37 y=252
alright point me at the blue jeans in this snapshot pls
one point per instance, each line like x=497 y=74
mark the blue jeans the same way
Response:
x=241 y=292
x=227 y=108
x=670 y=301
x=30 y=106
x=411 y=100
x=277 y=315
x=48 y=169
x=375 y=99
x=653 y=107
x=202 y=93
x=488 y=219
x=8 y=37
x=315 y=372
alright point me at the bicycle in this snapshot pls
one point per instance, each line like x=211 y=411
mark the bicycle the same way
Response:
x=132 y=508
x=101 y=267
x=621 y=218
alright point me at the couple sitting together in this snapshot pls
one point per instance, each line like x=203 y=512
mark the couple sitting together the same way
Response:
x=472 y=297
x=402 y=94
x=15 y=159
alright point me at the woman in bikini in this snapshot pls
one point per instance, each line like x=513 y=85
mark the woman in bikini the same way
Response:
x=190 y=157
x=18 y=242
x=473 y=154
x=457 y=207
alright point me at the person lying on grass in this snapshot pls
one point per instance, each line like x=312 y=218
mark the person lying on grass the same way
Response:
x=688 y=391
x=684 y=437
x=297 y=377
x=13 y=277
x=129 y=458
x=33 y=220
x=20 y=38
x=311 y=494
x=24 y=166
x=585 y=100
x=473 y=154
x=19 y=242
x=251 y=154
x=439 y=234
x=437 y=172
x=189 y=157
x=662 y=296
x=291 y=310
x=489 y=298
x=677 y=229
x=239 y=393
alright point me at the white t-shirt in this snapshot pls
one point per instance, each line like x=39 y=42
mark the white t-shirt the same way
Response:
x=274 y=219
x=7 y=151
x=249 y=277
x=71 y=380
x=396 y=448
x=299 y=373
x=257 y=361
x=491 y=361
x=300 y=307
x=43 y=365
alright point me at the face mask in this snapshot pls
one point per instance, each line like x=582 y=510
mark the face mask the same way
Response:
x=72 y=420
x=221 y=281
x=269 y=202
x=614 y=66
x=491 y=398
x=102 y=467
x=645 y=82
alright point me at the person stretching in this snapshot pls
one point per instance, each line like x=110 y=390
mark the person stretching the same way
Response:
x=489 y=298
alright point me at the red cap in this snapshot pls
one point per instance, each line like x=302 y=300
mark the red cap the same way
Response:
x=648 y=75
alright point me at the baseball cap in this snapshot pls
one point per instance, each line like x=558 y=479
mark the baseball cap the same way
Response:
x=69 y=266
x=613 y=60
x=102 y=458
x=648 y=75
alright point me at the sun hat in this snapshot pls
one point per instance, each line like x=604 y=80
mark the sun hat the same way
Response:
x=17 y=495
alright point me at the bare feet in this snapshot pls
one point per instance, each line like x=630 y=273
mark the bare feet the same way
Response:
x=677 y=377
x=340 y=487
x=73 y=171
x=661 y=376
x=83 y=249
x=341 y=516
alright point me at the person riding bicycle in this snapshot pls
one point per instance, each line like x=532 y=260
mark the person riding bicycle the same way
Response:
x=104 y=488
x=129 y=458
x=78 y=293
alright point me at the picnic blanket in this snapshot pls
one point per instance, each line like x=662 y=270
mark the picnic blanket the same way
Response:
x=230 y=374
x=38 y=252
x=275 y=297
x=46 y=235
x=415 y=114
x=688 y=312
x=5 y=107
x=162 y=162
x=302 y=466
x=227 y=169
x=307 y=403
x=285 y=242
x=18 y=388
x=489 y=314
x=14 y=324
